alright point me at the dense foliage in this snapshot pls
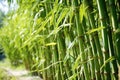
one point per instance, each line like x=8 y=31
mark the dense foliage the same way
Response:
x=65 y=39
x=1 y=17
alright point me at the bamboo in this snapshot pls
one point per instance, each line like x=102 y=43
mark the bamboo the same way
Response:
x=115 y=27
x=94 y=37
x=103 y=18
x=91 y=52
x=81 y=41
x=76 y=54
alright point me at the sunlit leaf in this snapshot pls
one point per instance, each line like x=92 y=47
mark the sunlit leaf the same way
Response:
x=94 y=30
x=51 y=44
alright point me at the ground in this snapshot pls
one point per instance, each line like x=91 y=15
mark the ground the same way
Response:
x=9 y=73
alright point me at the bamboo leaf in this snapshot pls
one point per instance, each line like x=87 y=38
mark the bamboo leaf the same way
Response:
x=82 y=12
x=76 y=64
x=51 y=44
x=62 y=15
x=94 y=30
x=107 y=61
x=73 y=76
x=41 y=62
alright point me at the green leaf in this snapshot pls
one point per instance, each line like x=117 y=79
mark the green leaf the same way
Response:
x=82 y=12
x=62 y=15
x=51 y=44
x=72 y=77
x=77 y=62
x=94 y=30
x=107 y=61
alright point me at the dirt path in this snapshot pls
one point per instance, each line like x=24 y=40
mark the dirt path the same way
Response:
x=21 y=74
x=18 y=74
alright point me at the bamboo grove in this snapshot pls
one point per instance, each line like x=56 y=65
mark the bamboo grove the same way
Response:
x=64 y=39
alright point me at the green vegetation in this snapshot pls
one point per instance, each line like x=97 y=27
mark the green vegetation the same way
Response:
x=2 y=15
x=64 y=39
x=5 y=76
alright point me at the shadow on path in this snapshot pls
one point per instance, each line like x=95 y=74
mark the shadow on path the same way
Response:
x=18 y=74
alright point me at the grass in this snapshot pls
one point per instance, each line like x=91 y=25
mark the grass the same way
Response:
x=6 y=64
x=5 y=75
x=10 y=72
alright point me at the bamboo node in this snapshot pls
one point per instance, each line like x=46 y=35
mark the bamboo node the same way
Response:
x=115 y=73
x=99 y=57
x=93 y=78
x=105 y=73
x=105 y=51
x=81 y=36
x=103 y=19
x=95 y=34
x=98 y=72
x=76 y=9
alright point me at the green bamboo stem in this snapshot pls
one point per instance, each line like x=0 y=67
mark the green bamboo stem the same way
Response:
x=103 y=17
x=115 y=27
x=89 y=9
x=56 y=59
x=93 y=26
x=80 y=33
x=97 y=57
x=44 y=73
x=62 y=53
x=91 y=53
x=75 y=50
x=55 y=50
x=58 y=68
x=61 y=50
x=55 y=53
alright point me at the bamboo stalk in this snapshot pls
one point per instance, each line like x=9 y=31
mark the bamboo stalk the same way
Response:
x=91 y=54
x=104 y=17
x=115 y=27
x=94 y=37
x=81 y=41
x=53 y=14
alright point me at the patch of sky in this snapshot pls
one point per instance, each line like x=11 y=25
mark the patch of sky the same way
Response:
x=5 y=6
